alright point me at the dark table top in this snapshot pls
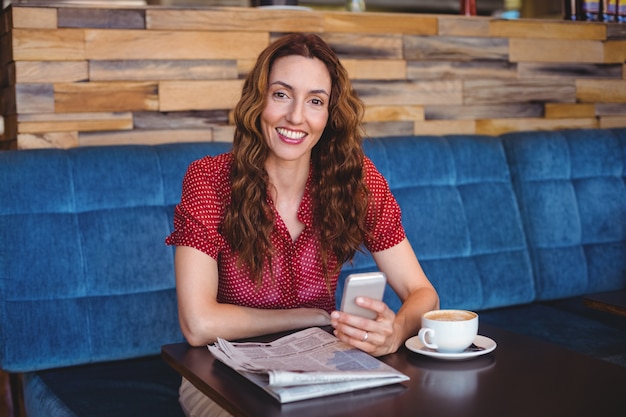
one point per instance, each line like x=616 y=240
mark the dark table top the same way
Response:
x=611 y=301
x=521 y=377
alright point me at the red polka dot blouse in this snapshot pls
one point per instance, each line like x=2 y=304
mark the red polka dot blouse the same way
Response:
x=298 y=275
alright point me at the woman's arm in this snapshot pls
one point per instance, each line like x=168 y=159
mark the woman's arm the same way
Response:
x=203 y=319
x=388 y=331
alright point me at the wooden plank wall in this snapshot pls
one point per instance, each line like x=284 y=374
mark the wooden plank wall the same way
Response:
x=81 y=76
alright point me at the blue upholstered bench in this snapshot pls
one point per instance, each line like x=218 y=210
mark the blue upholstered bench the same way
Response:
x=517 y=227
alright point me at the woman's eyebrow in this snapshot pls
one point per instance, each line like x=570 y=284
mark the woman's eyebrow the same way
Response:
x=289 y=87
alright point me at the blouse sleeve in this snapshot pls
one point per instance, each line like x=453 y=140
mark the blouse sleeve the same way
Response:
x=198 y=216
x=384 y=218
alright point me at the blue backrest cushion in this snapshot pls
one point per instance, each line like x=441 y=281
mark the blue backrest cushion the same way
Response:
x=572 y=195
x=85 y=274
x=461 y=217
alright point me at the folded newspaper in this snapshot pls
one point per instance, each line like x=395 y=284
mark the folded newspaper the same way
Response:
x=306 y=364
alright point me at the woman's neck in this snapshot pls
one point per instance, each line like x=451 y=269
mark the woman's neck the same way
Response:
x=287 y=179
x=287 y=185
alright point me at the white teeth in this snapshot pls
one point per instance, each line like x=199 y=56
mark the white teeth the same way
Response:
x=290 y=133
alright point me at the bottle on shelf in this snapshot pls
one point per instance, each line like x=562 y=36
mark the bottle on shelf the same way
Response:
x=355 y=5
x=468 y=7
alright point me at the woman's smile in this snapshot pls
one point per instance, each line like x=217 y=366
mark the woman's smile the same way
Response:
x=290 y=136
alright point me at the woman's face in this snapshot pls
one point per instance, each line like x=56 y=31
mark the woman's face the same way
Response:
x=296 y=109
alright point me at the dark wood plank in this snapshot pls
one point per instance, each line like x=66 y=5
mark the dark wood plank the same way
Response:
x=179 y=120
x=162 y=69
x=484 y=111
x=518 y=91
x=455 y=48
x=395 y=93
x=573 y=70
x=34 y=98
x=69 y=17
x=450 y=70
x=363 y=46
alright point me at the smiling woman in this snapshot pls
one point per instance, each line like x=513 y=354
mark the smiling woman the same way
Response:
x=263 y=231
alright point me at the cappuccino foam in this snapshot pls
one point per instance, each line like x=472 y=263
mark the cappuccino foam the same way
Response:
x=450 y=315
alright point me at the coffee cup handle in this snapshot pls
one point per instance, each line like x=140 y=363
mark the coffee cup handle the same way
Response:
x=423 y=334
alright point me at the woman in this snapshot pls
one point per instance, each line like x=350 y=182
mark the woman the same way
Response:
x=262 y=231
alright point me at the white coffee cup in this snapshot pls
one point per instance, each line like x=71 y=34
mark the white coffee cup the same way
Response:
x=448 y=331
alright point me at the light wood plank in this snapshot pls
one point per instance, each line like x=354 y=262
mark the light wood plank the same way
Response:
x=474 y=26
x=569 y=110
x=615 y=51
x=72 y=126
x=447 y=127
x=223 y=133
x=146 y=137
x=393 y=113
x=547 y=29
x=51 y=71
x=461 y=70
x=454 y=48
x=604 y=91
x=235 y=20
x=63 y=140
x=158 y=70
x=556 y=50
x=34 y=17
x=519 y=91
x=394 y=93
x=500 y=126
x=382 y=129
x=186 y=95
x=72 y=122
x=105 y=97
x=371 y=22
x=146 y=44
x=244 y=66
x=609 y=122
x=375 y=69
x=48 y=45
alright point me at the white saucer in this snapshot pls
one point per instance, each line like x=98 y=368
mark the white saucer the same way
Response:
x=416 y=346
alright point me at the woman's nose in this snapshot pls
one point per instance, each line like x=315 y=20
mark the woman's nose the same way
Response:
x=295 y=114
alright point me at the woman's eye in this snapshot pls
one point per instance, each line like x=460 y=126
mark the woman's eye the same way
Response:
x=317 y=102
x=280 y=94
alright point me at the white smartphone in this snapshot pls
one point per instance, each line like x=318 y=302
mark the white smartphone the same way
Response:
x=369 y=284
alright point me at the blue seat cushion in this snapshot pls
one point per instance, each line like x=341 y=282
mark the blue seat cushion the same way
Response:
x=138 y=387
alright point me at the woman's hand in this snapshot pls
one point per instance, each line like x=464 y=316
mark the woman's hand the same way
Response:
x=377 y=337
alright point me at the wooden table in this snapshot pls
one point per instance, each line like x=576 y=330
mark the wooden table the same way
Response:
x=611 y=301
x=522 y=377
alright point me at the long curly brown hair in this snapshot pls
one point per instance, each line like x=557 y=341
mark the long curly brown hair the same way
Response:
x=338 y=190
